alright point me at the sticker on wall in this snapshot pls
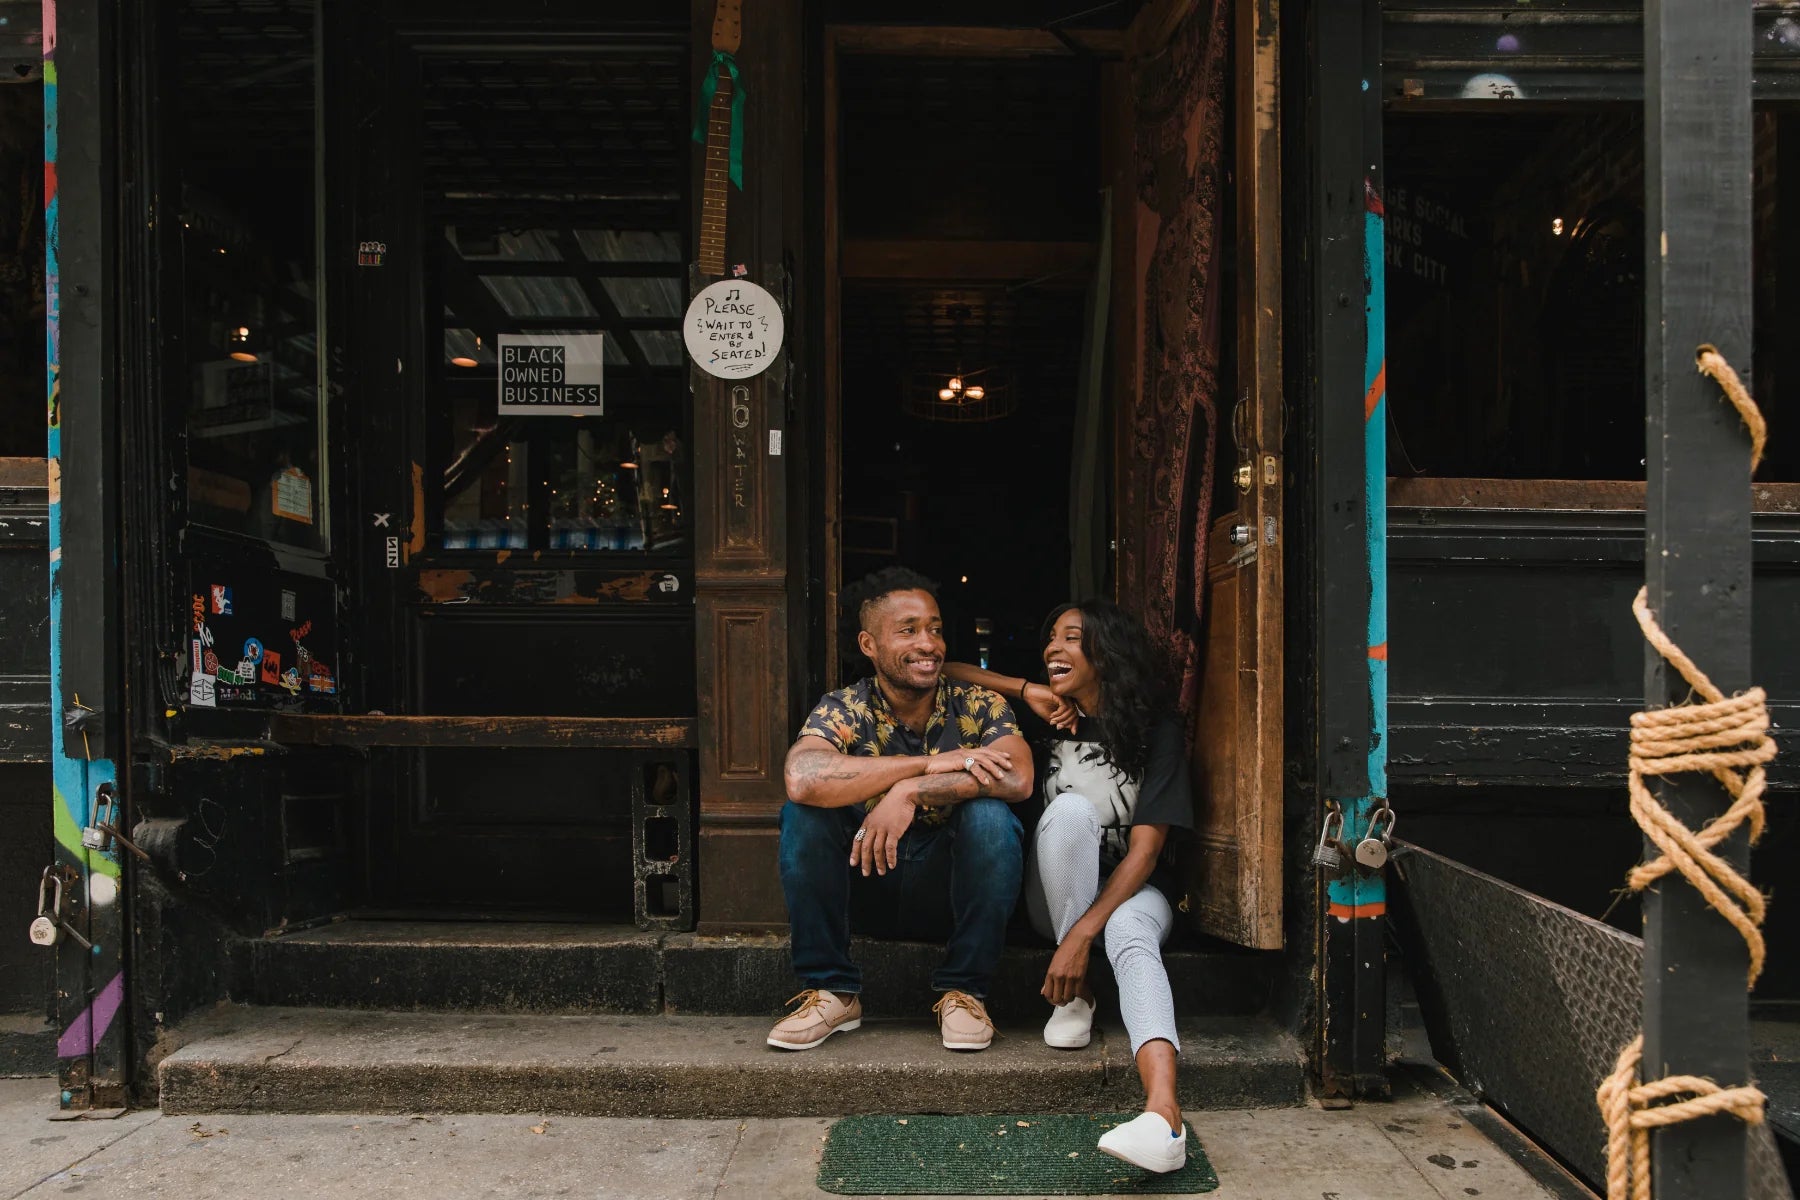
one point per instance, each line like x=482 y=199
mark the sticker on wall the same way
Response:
x=199 y=613
x=287 y=605
x=198 y=664
x=290 y=496
x=221 y=600
x=370 y=254
x=200 y=691
x=271 y=667
x=253 y=650
x=236 y=678
x=733 y=329
x=393 y=552
x=290 y=680
x=322 y=680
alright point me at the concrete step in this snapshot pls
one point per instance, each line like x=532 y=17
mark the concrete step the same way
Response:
x=552 y=968
x=248 y=1059
x=27 y=1046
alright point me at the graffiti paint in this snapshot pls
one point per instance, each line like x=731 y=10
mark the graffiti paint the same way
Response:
x=85 y=1032
x=1364 y=893
x=74 y=779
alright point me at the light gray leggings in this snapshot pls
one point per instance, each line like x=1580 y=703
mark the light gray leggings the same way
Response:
x=1064 y=879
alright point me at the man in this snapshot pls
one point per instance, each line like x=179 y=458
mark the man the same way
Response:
x=899 y=823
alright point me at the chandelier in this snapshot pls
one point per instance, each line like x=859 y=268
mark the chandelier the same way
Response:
x=961 y=397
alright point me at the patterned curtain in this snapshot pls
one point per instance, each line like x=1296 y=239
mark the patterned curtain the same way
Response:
x=1171 y=429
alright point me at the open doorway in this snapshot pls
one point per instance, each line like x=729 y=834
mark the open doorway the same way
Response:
x=1033 y=345
x=969 y=199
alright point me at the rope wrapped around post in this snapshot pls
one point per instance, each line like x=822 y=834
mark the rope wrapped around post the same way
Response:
x=1728 y=738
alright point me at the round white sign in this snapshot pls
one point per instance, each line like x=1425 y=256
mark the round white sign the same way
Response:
x=733 y=329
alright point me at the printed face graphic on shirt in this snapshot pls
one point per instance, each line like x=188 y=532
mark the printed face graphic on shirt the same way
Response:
x=1084 y=769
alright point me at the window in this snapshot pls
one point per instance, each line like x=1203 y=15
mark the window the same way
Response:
x=611 y=470
x=246 y=157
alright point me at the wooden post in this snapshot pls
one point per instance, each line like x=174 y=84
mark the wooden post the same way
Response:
x=1350 y=531
x=1697 y=534
x=81 y=71
x=741 y=533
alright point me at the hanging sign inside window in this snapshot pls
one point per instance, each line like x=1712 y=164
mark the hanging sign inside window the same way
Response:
x=733 y=329
x=551 y=374
x=290 y=496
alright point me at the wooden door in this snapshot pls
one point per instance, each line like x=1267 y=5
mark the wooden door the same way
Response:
x=1235 y=879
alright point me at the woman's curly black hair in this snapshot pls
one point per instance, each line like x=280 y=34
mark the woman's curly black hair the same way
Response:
x=1135 y=690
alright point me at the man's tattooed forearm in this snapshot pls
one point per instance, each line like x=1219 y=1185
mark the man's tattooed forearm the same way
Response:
x=944 y=787
x=821 y=766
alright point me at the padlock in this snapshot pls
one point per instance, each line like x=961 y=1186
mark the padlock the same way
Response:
x=1326 y=856
x=106 y=813
x=1372 y=851
x=48 y=927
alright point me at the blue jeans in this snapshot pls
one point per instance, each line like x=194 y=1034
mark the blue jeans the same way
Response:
x=957 y=883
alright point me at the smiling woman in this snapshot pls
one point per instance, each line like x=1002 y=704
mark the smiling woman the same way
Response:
x=1115 y=781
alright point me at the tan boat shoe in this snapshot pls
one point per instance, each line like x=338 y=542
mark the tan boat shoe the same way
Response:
x=821 y=1014
x=963 y=1022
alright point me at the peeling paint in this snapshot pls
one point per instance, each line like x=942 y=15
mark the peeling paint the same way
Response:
x=416 y=544
x=214 y=752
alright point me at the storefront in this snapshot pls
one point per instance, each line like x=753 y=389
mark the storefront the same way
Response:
x=422 y=557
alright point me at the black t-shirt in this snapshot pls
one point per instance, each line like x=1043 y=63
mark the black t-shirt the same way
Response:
x=1164 y=795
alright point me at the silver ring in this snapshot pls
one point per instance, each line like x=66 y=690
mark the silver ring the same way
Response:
x=860 y=835
x=968 y=764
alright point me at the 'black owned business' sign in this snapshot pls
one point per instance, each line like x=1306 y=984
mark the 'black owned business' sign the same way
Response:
x=544 y=374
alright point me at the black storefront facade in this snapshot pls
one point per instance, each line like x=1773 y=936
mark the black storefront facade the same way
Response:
x=372 y=652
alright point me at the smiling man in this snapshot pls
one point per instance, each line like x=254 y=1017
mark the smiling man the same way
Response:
x=899 y=823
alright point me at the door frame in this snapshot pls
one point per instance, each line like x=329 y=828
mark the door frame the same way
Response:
x=899 y=41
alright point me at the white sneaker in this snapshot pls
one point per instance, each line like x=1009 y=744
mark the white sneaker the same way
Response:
x=1147 y=1142
x=1071 y=1025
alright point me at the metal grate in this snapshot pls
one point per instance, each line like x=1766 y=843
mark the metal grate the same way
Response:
x=1529 y=1003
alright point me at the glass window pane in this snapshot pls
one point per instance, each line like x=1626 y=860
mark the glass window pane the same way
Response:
x=246 y=160
x=630 y=245
x=618 y=481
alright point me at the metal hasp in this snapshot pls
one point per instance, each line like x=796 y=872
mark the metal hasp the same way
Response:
x=1350 y=594
x=1697 y=536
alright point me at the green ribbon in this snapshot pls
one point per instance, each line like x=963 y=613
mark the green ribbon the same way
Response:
x=707 y=91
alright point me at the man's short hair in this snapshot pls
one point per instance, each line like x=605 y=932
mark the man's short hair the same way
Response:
x=877 y=586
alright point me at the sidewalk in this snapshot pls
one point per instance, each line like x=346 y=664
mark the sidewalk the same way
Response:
x=1422 y=1146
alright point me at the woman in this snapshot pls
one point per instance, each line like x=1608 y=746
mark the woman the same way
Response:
x=1115 y=783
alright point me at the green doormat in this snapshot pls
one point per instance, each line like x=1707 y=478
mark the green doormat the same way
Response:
x=994 y=1156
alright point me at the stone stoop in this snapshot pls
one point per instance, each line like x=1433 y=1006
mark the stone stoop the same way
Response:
x=246 y=1059
x=559 y=968
x=27 y=1046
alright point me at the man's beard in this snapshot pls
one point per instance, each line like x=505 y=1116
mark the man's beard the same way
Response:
x=898 y=682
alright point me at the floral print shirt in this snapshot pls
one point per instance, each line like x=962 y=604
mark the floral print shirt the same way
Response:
x=858 y=720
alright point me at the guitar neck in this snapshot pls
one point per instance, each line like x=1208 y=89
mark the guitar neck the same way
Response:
x=717 y=180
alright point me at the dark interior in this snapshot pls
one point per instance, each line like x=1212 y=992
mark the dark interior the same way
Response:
x=1515 y=283
x=972 y=493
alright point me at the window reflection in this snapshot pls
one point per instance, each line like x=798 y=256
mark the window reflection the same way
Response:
x=249 y=288
x=607 y=483
x=617 y=481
